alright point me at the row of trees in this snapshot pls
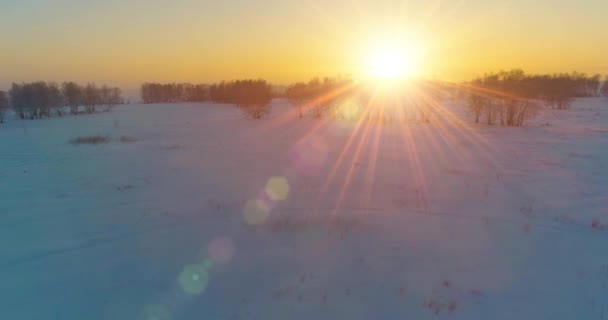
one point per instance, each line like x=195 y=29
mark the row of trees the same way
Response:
x=174 y=92
x=347 y=99
x=41 y=99
x=508 y=97
x=556 y=90
x=319 y=96
x=504 y=98
x=251 y=96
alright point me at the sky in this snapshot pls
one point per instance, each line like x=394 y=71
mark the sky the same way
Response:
x=126 y=43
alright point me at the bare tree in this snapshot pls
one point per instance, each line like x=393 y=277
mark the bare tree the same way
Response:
x=104 y=97
x=604 y=90
x=55 y=98
x=252 y=97
x=109 y=97
x=3 y=105
x=115 y=98
x=41 y=99
x=328 y=94
x=73 y=95
x=505 y=97
x=297 y=94
x=91 y=97
x=476 y=104
x=19 y=99
x=428 y=98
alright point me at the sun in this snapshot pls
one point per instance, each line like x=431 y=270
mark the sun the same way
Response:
x=388 y=65
x=392 y=60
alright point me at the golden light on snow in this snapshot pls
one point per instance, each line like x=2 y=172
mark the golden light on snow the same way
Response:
x=256 y=212
x=194 y=279
x=349 y=111
x=277 y=188
x=309 y=154
x=155 y=312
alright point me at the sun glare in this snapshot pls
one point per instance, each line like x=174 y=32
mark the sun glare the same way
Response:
x=390 y=61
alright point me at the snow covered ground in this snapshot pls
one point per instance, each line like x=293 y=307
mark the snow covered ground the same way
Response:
x=197 y=213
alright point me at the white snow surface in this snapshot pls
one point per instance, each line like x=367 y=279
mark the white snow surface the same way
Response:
x=448 y=220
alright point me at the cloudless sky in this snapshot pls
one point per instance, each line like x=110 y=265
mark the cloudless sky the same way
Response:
x=126 y=42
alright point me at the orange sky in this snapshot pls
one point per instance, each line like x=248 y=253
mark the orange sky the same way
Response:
x=128 y=42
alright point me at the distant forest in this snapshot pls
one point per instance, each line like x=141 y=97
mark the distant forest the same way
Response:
x=251 y=96
x=554 y=88
x=40 y=99
x=234 y=92
x=501 y=98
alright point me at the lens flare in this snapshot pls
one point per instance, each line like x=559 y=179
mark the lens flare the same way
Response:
x=277 y=188
x=194 y=279
x=208 y=264
x=155 y=312
x=256 y=212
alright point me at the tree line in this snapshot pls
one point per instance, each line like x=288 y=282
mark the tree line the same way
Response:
x=347 y=99
x=40 y=99
x=505 y=97
x=251 y=96
x=319 y=96
x=174 y=92
x=221 y=92
x=508 y=97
